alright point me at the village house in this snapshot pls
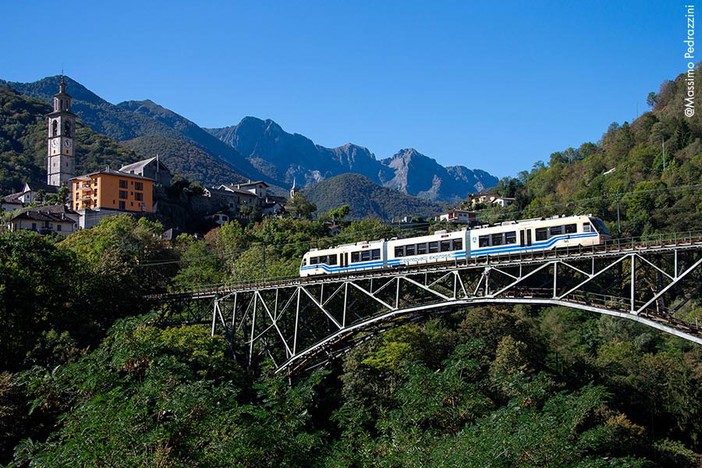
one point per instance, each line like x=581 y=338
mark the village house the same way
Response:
x=50 y=219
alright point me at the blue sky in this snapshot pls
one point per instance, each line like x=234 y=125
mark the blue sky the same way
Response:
x=489 y=85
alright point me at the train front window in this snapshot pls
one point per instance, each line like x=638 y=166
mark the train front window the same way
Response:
x=600 y=226
x=511 y=237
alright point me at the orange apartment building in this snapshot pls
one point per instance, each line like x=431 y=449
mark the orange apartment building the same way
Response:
x=112 y=190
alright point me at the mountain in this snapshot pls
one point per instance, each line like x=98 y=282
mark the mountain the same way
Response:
x=254 y=149
x=148 y=128
x=420 y=175
x=367 y=199
x=287 y=157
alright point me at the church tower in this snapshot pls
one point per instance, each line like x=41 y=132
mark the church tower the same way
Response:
x=62 y=125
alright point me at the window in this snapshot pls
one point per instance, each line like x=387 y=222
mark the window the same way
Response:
x=497 y=239
x=138 y=185
x=122 y=205
x=511 y=237
x=556 y=230
x=458 y=244
x=365 y=255
x=355 y=257
x=571 y=228
x=400 y=251
x=58 y=227
x=587 y=227
x=123 y=184
x=445 y=245
x=314 y=260
x=139 y=196
x=410 y=249
x=541 y=234
x=484 y=241
x=422 y=248
x=375 y=254
x=331 y=260
x=123 y=194
x=433 y=247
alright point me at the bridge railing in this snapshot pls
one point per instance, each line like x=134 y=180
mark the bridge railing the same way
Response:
x=660 y=240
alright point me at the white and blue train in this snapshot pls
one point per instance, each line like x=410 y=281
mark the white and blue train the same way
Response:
x=511 y=237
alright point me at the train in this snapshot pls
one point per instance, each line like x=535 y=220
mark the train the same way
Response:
x=509 y=237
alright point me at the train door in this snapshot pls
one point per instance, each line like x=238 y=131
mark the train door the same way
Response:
x=525 y=238
x=344 y=260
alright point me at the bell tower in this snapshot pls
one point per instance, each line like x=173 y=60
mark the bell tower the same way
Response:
x=62 y=124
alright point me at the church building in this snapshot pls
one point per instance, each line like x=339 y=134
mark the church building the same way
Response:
x=62 y=124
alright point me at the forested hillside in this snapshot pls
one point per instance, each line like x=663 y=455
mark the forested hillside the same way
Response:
x=366 y=199
x=650 y=171
x=149 y=129
x=23 y=144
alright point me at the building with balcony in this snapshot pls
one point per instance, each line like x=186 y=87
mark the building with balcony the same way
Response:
x=109 y=192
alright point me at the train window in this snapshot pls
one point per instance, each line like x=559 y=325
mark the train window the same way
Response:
x=433 y=247
x=541 y=234
x=422 y=248
x=483 y=241
x=445 y=245
x=511 y=237
x=331 y=260
x=355 y=257
x=314 y=260
x=400 y=251
x=375 y=254
x=365 y=255
x=587 y=227
x=458 y=244
x=497 y=239
x=571 y=228
x=409 y=249
x=556 y=230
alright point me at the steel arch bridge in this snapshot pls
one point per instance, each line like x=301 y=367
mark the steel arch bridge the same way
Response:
x=305 y=322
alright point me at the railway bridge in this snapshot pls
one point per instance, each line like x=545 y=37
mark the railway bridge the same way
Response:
x=302 y=323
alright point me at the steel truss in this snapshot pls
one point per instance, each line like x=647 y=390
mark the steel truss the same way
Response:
x=303 y=323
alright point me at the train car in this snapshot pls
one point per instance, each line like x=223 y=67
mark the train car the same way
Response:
x=527 y=235
x=344 y=258
x=439 y=247
x=537 y=234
